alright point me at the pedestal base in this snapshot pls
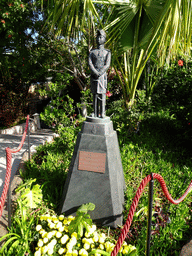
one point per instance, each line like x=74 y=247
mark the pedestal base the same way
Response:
x=96 y=174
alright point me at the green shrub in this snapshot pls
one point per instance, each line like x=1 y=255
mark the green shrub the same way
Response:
x=174 y=92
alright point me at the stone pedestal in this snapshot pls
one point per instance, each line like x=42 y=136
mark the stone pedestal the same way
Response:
x=96 y=174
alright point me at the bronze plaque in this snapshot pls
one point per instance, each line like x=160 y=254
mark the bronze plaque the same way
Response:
x=93 y=162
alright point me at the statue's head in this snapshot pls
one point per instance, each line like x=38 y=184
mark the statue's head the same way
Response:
x=101 y=37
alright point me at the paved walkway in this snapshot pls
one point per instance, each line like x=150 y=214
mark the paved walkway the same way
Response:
x=12 y=141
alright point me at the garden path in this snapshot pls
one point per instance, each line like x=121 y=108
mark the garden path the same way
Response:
x=12 y=141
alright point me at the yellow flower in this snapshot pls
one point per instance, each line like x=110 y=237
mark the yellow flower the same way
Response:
x=74 y=234
x=61 y=217
x=128 y=248
x=64 y=239
x=74 y=252
x=42 y=231
x=71 y=217
x=101 y=246
x=66 y=221
x=87 y=234
x=66 y=229
x=109 y=246
x=44 y=234
x=38 y=228
x=121 y=249
x=42 y=217
x=61 y=251
x=40 y=243
x=68 y=253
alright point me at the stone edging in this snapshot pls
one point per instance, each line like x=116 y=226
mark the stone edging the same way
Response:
x=18 y=129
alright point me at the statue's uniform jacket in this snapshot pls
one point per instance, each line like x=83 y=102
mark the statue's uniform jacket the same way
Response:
x=99 y=61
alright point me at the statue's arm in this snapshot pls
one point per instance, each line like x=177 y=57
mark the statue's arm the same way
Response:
x=107 y=65
x=91 y=66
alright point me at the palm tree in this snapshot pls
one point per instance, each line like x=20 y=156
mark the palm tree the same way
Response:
x=144 y=28
x=137 y=30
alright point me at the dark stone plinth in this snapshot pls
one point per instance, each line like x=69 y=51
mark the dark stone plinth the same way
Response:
x=96 y=174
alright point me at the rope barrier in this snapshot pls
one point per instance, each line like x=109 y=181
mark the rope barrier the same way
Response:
x=8 y=169
x=143 y=183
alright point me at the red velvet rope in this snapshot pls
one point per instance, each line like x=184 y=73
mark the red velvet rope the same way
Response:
x=8 y=170
x=143 y=183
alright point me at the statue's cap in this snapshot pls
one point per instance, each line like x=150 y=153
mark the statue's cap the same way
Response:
x=101 y=32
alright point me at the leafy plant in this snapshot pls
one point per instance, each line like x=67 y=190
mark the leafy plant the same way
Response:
x=82 y=219
x=19 y=241
x=31 y=196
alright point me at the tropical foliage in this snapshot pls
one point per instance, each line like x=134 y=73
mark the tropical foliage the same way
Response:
x=137 y=30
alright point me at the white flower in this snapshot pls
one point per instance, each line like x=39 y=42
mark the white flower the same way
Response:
x=37 y=253
x=64 y=239
x=83 y=252
x=95 y=237
x=73 y=240
x=61 y=229
x=86 y=246
x=59 y=225
x=61 y=217
x=44 y=249
x=51 y=225
x=49 y=235
x=74 y=252
x=40 y=243
x=61 y=251
x=102 y=238
x=53 y=241
x=38 y=228
x=58 y=234
x=50 y=251
x=44 y=234
x=45 y=240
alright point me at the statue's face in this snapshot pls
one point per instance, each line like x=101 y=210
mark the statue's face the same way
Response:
x=100 y=39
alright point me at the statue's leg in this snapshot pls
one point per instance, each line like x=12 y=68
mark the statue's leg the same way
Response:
x=95 y=104
x=103 y=103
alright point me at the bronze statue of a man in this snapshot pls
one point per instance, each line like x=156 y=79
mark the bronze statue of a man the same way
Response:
x=99 y=62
